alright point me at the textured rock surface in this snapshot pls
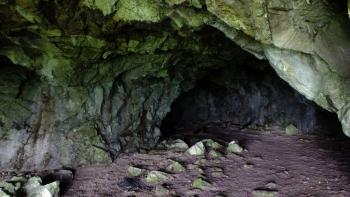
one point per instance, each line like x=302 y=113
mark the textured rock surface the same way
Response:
x=82 y=81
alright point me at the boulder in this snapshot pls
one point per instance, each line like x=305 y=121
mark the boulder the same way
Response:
x=233 y=147
x=197 y=149
x=134 y=171
x=175 y=167
x=177 y=145
x=3 y=194
x=199 y=183
x=291 y=130
x=212 y=144
x=33 y=188
x=214 y=154
x=264 y=193
x=7 y=187
x=161 y=191
x=157 y=177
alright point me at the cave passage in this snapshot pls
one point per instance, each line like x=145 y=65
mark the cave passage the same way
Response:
x=250 y=95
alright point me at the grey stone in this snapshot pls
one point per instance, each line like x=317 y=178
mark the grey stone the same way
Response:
x=264 y=193
x=199 y=183
x=3 y=194
x=215 y=154
x=8 y=187
x=178 y=145
x=161 y=191
x=212 y=144
x=233 y=147
x=175 y=167
x=197 y=149
x=291 y=130
x=134 y=171
x=157 y=177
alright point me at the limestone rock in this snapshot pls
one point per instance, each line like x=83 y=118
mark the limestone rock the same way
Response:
x=212 y=144
x=197 y=149
x=199 y=183
x=156 y=177
x=15 y=179
x=3 y=194
x=161 y=191
x=97 y=95
x=134 y=171
x=291 y=130
x=178 y=145
x=8 y=187
x=175 y=167
x=233 y=147
x=54 y=188
x=271 y=186
x=264 y=193
x=214 y=154
x=33 y=188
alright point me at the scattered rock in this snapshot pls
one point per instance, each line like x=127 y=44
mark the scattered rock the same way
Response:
x=217 y=172
x=248 y=166
x=233 y=147
x=212 y=144
x=178 y=145
x=201 y=162
x=161 y=191
x=199 y=183
x=197 y=150
x=53 y=187
x=175 y=167
x=155 y=177
x=214 y=154
x=196 y=168
x=134 y=172
x=271 y=186
x=33 y=188
x=7 y=187
x=16 y=179
x=3 y=194
x=264 y=193
x=291 y=130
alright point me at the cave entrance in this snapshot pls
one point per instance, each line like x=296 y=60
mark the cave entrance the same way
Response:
x=250 y=96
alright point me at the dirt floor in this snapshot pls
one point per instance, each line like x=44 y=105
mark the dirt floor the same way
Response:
x=278 y=164
x=272 y=165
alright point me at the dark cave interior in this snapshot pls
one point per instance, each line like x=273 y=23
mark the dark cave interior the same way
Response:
x=250 y=95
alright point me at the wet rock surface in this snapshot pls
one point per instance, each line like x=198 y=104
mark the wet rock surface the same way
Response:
x=279 y=165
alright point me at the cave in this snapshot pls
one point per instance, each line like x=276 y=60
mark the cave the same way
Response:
x=246 y=94
x=174 y=98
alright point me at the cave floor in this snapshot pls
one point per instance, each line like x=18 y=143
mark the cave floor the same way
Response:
x=272 y=163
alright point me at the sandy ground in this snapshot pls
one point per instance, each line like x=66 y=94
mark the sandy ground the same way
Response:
x=283 y=165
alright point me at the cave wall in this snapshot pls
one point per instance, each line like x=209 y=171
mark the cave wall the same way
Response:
x=103 y=74
x=248 y=95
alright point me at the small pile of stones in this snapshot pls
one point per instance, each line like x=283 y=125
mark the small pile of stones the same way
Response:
x=28 y=186
x=208 y=147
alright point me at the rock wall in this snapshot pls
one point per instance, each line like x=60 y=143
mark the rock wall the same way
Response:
x=85 y=80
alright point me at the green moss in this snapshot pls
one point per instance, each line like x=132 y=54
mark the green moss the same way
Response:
x=28 y=14
x=105 y=6
x=190 y=17
x=139 y=10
